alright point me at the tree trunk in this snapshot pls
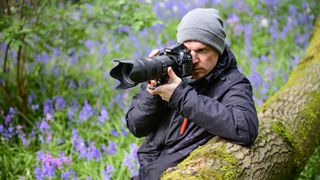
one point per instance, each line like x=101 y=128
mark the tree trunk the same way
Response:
x=288 y=134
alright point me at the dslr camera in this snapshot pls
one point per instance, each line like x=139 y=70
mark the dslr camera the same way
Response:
x=132 y=72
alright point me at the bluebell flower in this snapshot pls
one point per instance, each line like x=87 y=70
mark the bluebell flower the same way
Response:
x=49 y=165
x=72 y=84
x=103 y=49
x=49 y=117
x=72 y=109
x=22 y=137
x=107 y=173
x=47 y=107
x=34 y=107
x=8 y=118
x=79 y=144
x=114 y=132
x=43 y=58
x=125 y=132
x=60 y=103
x=247 y=38
x=31 y=97
x=86 y=112
x=104 y=115
x=123 y=120
x=44 y=126
x=104 y=148
x=71 y=113
x=131 y=161
x=66 y=175
x=2 y=129
x=93 y=152
x=112 y=148
x=233 y=19
x=3 y=47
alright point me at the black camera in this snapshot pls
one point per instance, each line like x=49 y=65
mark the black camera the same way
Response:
x=132 y=72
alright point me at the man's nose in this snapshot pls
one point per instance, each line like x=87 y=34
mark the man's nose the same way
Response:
x=194 y=57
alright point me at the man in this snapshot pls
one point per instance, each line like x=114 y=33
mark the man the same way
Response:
x=181 y=115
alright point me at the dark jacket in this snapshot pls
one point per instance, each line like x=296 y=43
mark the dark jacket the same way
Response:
x=219 y=104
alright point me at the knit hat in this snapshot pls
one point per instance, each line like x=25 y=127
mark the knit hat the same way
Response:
x=203 y=25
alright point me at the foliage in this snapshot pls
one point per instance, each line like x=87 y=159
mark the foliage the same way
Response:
x=60 y=115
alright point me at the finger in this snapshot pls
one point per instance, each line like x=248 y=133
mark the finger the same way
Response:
x=153 y=90
x=172 y=75
x=154 y=53
x=152 y=82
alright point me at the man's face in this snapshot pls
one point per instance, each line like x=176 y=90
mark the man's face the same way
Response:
x=204 y=58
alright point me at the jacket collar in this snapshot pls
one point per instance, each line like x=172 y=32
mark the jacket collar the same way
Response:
x=226 y=61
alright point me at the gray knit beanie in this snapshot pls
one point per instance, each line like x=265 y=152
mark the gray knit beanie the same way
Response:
x=203 y=25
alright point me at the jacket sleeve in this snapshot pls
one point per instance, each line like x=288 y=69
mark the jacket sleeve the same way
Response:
x=143 y=115
x=233 y=117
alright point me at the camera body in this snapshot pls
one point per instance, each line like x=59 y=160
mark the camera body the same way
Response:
x=132 y=72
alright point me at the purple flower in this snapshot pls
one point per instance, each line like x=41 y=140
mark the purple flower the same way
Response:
x=131 y=160
x=270 y=2
x=47 y=107
x=66 y=175
x=91 y=45
x=104 y=148
x=114 y=132
x=60 y=103
x=3 y=47
x=49 y=117
x=86 y=112
x=10 y=115
x=19 y=128
x=93 y=152
x=71 y=113
x=72 y=84
x=43 y=58
x=104 y=115
x=2 y=128
x=34 y=107
x=112 y=148
x=273 y=30
x=103 y=49
x=247 y=38
x=31 y=97
x=233 y=19
x=107 y=173
x=292 y=10
x=121 y=98
x=46 y=135
x=22 y=137
x=78 y=143
x=71 y=110
x=44 y=126
x=125 y=132
x=49 y=165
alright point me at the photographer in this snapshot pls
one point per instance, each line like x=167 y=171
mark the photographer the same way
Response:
x=181 y=115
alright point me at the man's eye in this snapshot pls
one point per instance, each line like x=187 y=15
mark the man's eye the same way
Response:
x=201 y=51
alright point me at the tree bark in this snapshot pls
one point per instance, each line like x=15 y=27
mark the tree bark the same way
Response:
x=289 y=131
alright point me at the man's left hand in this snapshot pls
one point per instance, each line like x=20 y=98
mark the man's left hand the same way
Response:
x=166 y=90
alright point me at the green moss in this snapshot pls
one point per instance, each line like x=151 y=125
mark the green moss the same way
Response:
x=305 y=139
x=228 y=169
x=308 y=134
x=281 y=130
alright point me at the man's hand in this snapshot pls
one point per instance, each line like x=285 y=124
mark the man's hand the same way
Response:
x=166 y=90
